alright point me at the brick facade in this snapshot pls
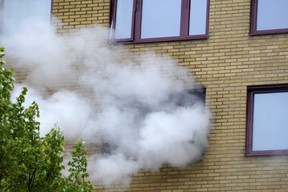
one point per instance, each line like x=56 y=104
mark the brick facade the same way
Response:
x=225 y=63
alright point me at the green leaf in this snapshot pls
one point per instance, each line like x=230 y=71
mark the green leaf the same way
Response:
x=29 y=162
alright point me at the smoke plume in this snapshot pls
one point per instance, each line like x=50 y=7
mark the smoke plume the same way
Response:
x=135 y=105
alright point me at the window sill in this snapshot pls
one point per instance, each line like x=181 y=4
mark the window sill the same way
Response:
x=266 y=153
x=268 y=32
x=159 y=40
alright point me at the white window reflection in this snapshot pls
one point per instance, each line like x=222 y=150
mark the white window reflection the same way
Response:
x=124 y=14
x=270 y=122
x=17 y=12
x=198 y=17
x=160 y=18
x=272 y=14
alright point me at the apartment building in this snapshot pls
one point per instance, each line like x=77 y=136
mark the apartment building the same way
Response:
x=236 y=49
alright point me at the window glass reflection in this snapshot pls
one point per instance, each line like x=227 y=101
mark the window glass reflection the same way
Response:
x=123 y=19
x=272 y=14
x=270 y=122
x=197 y=21
x=160 y=18
x=18 y=12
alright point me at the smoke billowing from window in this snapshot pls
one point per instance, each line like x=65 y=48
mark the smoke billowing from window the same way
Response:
x=132 y=104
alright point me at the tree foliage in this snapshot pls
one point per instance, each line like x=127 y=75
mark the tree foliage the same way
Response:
x=28 y=161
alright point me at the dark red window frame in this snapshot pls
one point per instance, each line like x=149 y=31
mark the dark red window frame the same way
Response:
x=251 y=91
x=253 y=22
x=136 y=24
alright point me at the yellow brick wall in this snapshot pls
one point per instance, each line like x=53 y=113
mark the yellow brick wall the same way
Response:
x=225 y=63
x=81 y=13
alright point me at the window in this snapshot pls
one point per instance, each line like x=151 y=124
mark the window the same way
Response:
x=267 y=122
x=183 y=99
x=161 y=20
x=269 y=16
x=191 y=97
x=16 y=13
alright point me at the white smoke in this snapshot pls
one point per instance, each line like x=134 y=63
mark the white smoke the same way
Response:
x=135 y=104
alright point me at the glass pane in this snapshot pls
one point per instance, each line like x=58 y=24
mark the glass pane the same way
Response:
x=123 y=19
x=160 y=18
x=17 y=12
x=270 y=123
x=198 y=17
x=272 y=14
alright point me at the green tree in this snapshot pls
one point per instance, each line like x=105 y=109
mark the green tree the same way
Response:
x=29 y=162
x=76 y=181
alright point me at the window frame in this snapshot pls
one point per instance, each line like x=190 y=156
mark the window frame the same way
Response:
x=2 y=7
x=136 y=24
x=253 y=23
x=251 y=91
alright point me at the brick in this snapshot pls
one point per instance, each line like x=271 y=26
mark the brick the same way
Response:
x=226 y=63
